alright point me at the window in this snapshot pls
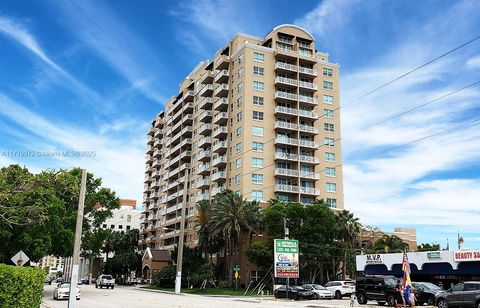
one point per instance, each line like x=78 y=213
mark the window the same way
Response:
x=104 y=226
x=128 y=227
x=328 y=72
x=239 y=102
x=331 y=172
x=258 y=71
x=329 y=142
x=237 y=179
x=328 y=85
x=257 y=131
x=328 y=113
x=328 y=127
x=239 y=131
x=257 y=178
x=259 y=57
x=240 y=72
x=329 y=156
x=257 y=146
x=238 y=163
x=259 y=86
x=331 y=202
x=240 y=87
x=239 y=147
x=120 y=227
x=257 y=195
x=112 y=226
x=257 y=162
x=129 y=218
x=240 y=58
x=328 y=99
x=330 y=187
x=257 y=115
x=239 y=116
x=258 y=100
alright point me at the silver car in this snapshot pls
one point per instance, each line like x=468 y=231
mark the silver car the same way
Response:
x=319 y=291
x=62 y=291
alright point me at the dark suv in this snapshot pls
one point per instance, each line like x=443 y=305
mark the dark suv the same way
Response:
x=464 y=294
x=377 y=288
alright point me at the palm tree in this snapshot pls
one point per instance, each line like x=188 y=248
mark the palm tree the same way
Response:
x=388 y=244
x=108 y=244
x=232 y=216
x=349 y=227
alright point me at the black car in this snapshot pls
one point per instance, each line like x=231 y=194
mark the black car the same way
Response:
x=84 y=280
x=464 y=294
x=425 y=293
x=294 y=292
x=377 y=288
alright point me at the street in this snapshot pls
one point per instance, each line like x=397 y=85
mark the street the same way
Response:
x=132 y=297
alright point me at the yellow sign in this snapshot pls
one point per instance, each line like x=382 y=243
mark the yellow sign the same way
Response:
x=236 y=275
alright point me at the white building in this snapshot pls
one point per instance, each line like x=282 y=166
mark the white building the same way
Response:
x=125 y=218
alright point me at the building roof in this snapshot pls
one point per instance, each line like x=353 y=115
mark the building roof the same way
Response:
x=128 y=202
x=157 y=255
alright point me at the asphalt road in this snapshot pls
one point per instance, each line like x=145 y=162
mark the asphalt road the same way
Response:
x=132 y=297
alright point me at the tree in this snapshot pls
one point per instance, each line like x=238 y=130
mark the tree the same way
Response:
x=260 y=254
x=349 y=227
x=126 y=257
x=38 y=211
x=207 y=242
x=231 y=216
x=428 y=247
x=388 y=244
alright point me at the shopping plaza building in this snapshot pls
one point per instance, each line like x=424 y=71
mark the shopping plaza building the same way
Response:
x=261 y=119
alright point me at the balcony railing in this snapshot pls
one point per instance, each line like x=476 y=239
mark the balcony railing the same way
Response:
x=286 y=172
x=308 y=128
x=219 y=131
x=221 y=75
x=309 y=175
x=284 y=80
x=308 y=144
x=286 y=156
x=200 y=197
x=308 y=114
x=308 y=85
x=219 y=175
x=307 y=99
x=204 y=141
x=202 y=183
x=287 y=110
x=221 y=89
x=286 y=140
x=203 y=168
x=308 y=159
x=309 y=190
x=221 y=104
x=286 y=66
x=219 y=145
x=219 y=117
x=219 y=160
x=285 y=95
x=286 y=188
x=286 y=125
x=204 y=128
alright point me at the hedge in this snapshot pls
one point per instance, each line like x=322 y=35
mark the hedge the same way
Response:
x=21 y=286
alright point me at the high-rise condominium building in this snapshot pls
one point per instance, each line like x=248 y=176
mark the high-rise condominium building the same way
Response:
x=261 y=119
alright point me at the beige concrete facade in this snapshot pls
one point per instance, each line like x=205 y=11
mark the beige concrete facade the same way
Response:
x=261 y=119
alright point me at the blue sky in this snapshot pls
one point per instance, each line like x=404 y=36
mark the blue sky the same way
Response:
x=91 y=75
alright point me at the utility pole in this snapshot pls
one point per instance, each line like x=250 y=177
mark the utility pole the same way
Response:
x=178 y=280
x=78 y=239
x=285 y=229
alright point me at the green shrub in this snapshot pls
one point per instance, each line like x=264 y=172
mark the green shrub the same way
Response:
x=205 y=271
x=165 y=277
x=21 y=286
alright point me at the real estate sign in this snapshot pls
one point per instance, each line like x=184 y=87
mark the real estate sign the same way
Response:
x=286 y=259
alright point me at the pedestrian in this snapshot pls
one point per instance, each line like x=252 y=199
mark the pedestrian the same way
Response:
x=353 y=299
x=411 y=298
x=399 y=299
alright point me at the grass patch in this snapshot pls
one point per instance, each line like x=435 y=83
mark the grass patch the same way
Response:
x=211 y=291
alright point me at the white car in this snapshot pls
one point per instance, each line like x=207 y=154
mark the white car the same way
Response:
x=341 y=288
x=62 y=291
x=318 y=291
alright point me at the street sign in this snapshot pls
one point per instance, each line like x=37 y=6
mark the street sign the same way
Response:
x=236 y=269
x=20 y=258
x=236 y=275
x=286 y=259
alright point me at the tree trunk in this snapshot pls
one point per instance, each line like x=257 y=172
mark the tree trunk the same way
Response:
x=322 y=273
x=344 y=274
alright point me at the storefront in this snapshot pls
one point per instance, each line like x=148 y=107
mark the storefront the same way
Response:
x=440 y=267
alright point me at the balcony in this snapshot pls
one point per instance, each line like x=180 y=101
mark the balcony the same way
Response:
x=219 y=176
x=286 y=172
x=186 y=154
x=200 y=197
x=204 y=155
x=308 y=114
x=309 y=190
x=146 y=188
x=203 y=169
x=150 y=140
x=148 y=158
x=307 y=71
x=286 y=81
x=204 y=142
x=286 y=125
x=156 y=163
x=154 y=196
x=285 y=96
x=155 y=184
x=219 y=161
x=285 y=110
x=207 y=77
x=285 y=66
x=202 y=183
x=308 y=85
x=286 y=188
x=220 y=147
x=205 y=129
x=219 y=132
x=173 y=208
x=309 y=175
x=188 y=96
x=222 y=62
x=220 y=118
x=221 y=76
x=308 y=144
x=285 y=140
x=221 y=90
x=205 y=116
x=205 y=103
x=308 y=129
x=206 y=90
x=286 y=156
x=217 y=190
x=308 y=159
x=186 y=131
x=221 y=104
x=308 y=99
x=156 y=174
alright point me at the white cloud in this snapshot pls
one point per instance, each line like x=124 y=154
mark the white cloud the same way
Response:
x=473 y=63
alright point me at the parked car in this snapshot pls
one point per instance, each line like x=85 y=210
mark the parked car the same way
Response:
x=464 y=294
x=84 y=280
x=425 y=293
x=62 y=291
x=294 y=292
x=319 y=291
x=340 y=289
x=378 y=288
x=105 y=281
x=59 y=279
x=48 y=280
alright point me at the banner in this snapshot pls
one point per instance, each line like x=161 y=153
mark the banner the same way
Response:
x=286 y=259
